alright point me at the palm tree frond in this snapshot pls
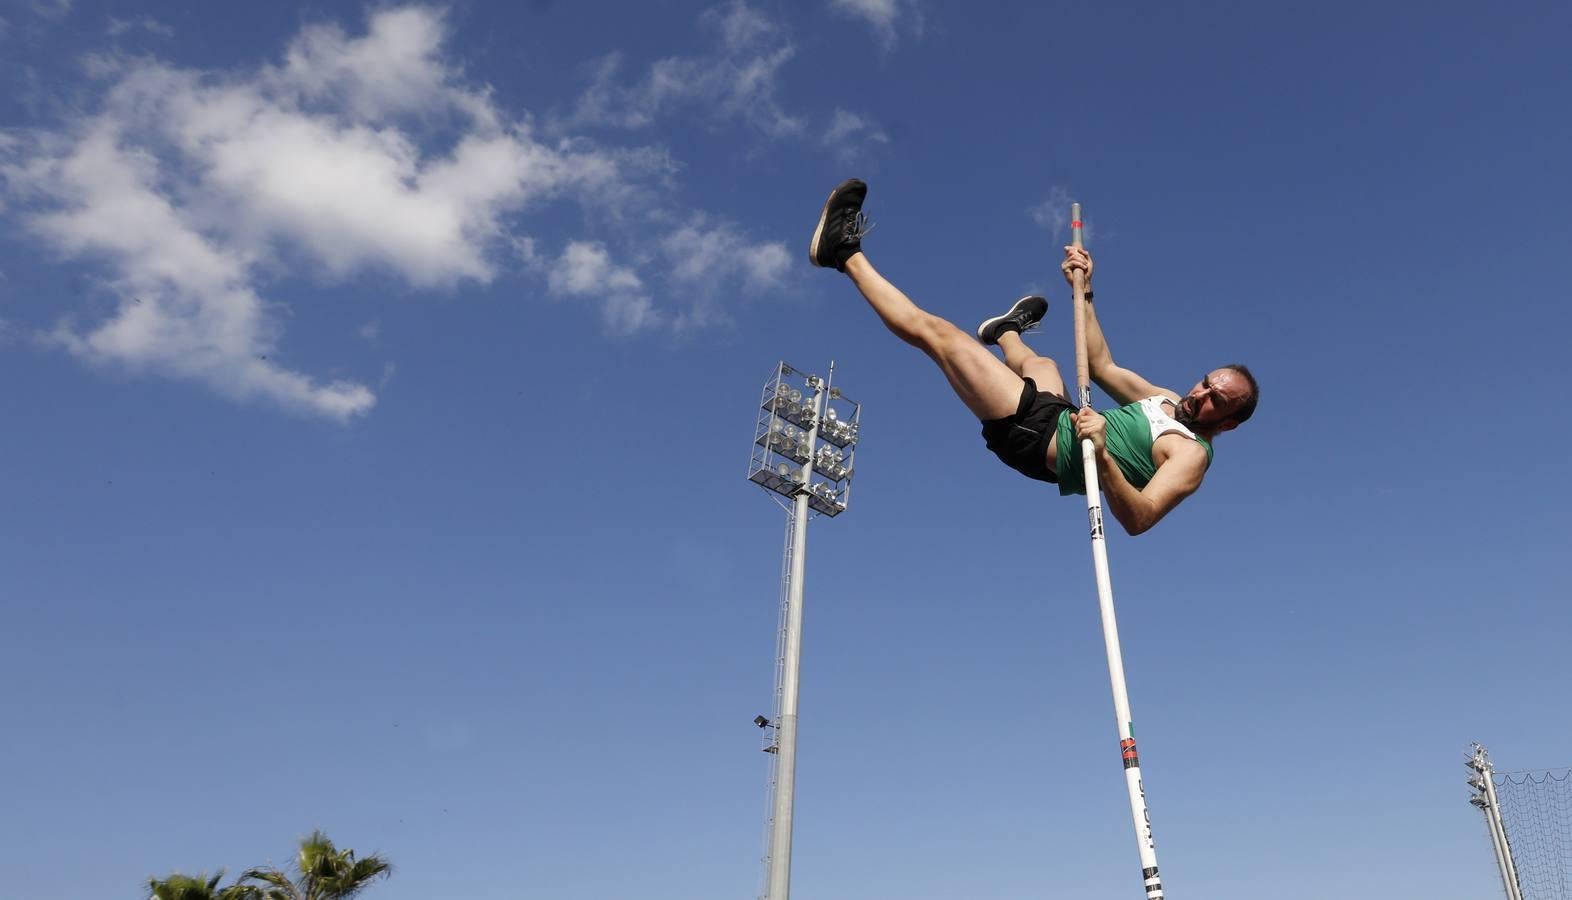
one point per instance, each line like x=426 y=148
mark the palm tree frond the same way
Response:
x=279 y=887
x=185 y=887
x=356 y=878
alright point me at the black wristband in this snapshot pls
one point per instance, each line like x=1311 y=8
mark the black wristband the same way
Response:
x=1087 y=296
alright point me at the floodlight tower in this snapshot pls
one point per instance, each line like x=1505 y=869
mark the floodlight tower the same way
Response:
x=805 y=426
x=1483 y=781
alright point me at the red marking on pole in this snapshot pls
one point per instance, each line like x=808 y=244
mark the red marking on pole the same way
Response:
x=1076 y=223
x=1127 y=748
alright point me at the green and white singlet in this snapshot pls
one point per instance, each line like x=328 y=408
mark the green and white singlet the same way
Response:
x=1132 y=429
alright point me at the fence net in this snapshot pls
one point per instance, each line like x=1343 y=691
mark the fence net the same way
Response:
x=1536 y=808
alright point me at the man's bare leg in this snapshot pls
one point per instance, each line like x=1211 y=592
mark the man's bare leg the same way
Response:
x=987 y=386
x=1025 y=362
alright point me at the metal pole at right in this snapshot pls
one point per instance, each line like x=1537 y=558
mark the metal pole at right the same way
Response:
x=1498 y=835
x=1094 y=509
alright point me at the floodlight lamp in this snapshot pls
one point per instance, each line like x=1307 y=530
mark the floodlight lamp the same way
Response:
x=829 y=414
x=783 y=470
x=795 y=395
x=761 y=721
x=1479 y=801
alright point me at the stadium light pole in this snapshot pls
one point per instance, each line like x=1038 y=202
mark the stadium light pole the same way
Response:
x=1483 y=782
x=797 y=411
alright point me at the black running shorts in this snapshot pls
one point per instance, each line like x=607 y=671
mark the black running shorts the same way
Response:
x=1021 y=441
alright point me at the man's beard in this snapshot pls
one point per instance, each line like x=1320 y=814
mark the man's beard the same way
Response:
x=1182 y=414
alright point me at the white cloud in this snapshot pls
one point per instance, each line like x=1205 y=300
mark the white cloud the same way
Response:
x=370 y=331
x=200 y=194
x=394 y=68
x=716 y=256
x=851 y=135
x=886 y=17
x=51 y=9
x=738 y=79
x=713 y=263
x=119 y=27
x=1053 y=213
x=880 y=13
x=628 y=314
x=585 y=269
x=186 y=307
x=186 y=184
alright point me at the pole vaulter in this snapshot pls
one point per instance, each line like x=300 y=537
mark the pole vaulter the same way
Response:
x=1142 y=458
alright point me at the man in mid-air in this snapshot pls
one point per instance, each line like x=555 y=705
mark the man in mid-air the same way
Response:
x=1152 y=451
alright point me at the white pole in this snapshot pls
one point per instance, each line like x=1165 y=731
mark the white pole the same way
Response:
x=1094 y=508
x=778 y=886
x=1498 y=836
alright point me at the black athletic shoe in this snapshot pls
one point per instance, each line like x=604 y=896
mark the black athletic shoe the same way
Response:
x=841 y=227
x=1023 y=316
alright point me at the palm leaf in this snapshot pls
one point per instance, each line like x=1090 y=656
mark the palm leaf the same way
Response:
x=185 y=887
x=356 y=877
x=278 y=886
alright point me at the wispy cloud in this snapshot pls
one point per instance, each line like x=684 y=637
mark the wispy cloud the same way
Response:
x=586 y=269
x=118 y=27
x=851 y=136
x=887 y=18
x=51 y=9
x=711 y=262
x=739 y=78
x=1053 y=213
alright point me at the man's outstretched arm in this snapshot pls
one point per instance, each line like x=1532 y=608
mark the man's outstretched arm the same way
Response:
x=1118 y=382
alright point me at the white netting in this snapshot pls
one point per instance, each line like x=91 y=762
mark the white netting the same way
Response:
x=1536 y=808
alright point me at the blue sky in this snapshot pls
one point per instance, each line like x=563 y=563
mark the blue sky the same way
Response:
x=378 y=392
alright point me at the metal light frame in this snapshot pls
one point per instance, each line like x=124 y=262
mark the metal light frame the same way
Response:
x=809 y=410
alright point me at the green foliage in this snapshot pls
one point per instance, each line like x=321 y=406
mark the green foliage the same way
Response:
x=322 y=872
x=198 y=887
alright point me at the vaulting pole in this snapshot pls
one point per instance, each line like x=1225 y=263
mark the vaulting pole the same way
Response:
x=1094 y=508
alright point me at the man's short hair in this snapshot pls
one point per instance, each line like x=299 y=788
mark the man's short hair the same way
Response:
x=1246 y=409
